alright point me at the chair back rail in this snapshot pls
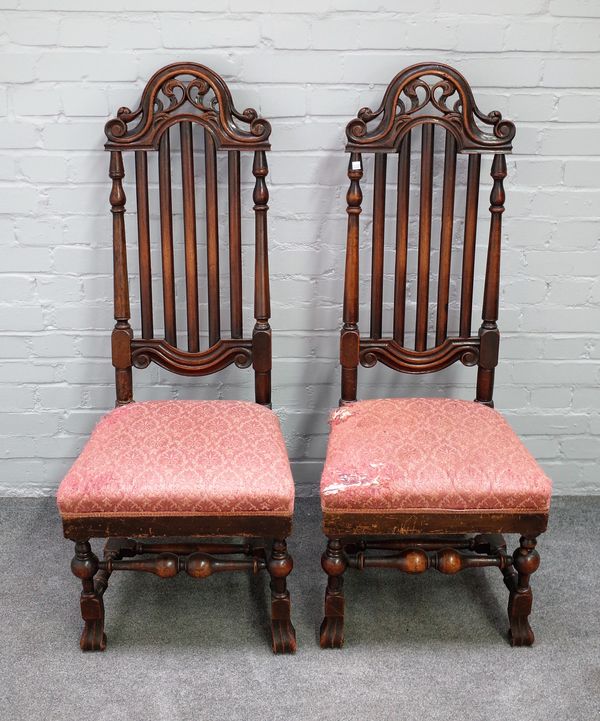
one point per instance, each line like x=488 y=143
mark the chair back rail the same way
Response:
x=191 y=97
x=431 y=100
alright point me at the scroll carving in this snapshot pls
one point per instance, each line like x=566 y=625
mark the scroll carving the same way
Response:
x=222 y=354
x=187 y=91
x=393 y=355
x=447 y=95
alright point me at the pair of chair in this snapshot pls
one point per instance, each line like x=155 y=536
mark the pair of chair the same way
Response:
x=409 y=483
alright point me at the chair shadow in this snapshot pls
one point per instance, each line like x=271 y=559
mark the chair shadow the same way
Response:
x=412 y=610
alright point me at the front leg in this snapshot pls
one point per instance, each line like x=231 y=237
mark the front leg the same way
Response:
x=526 y=561
x=282 y=631
x=85 y=565
x=334 y=564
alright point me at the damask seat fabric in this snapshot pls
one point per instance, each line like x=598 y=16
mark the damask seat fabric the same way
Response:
x=178 y=458
x=428 y=455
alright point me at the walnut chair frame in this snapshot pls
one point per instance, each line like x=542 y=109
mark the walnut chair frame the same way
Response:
x=186 y=95
x=432 y=96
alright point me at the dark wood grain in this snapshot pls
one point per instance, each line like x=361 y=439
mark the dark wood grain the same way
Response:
x=446 y=239
x=424 y=237
x=402 y=215
x=189 y=231
x=235 y=243
x=470 y=235
x=166 y=235
x=212 y=239
x=378 y=244
x=143 y=221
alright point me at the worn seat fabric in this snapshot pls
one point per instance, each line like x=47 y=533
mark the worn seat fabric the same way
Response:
x=162 y=458
x=428 y=455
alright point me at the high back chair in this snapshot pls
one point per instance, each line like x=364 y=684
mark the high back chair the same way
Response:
x=417 y=483
x=178 y=468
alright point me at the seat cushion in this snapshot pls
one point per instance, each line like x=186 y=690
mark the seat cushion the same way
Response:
x=428 y=455
x=177 y=458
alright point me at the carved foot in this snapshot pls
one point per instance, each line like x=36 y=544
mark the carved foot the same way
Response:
x=93 y=637
x=283 y=636
x=526 y=561
x=520 y=633
x=331 y=634
x=334 y=564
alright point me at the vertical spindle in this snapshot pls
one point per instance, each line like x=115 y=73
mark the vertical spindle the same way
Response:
x=424 y=237
x=166 y=235
x=468 y=264
x=212 y=239
x=446 y=239
x=143 y=223
x=378 y=244
x=189 y=234
x=235 y=243
x=402 y=210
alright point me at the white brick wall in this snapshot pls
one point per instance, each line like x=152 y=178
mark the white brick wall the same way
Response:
x=64 y=67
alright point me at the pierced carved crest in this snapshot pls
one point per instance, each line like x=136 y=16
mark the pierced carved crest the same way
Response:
x=187 y=91
x=433 y=93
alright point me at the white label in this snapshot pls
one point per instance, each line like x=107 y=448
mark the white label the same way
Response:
x=356 y=165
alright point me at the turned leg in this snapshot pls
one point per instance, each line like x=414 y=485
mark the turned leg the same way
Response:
x=85 y=565
x=334 y=564
x=280 y=566
x=526 y=561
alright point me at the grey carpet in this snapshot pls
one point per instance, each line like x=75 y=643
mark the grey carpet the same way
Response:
x=417 y=647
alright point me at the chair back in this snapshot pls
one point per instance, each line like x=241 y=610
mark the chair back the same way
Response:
x=187 y=111
x=422 y=102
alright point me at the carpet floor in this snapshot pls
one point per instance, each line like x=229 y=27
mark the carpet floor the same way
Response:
x=418 y=648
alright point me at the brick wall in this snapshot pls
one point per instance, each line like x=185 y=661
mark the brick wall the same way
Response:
x=309 y=66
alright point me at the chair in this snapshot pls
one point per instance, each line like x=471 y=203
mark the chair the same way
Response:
x=175 y=475
x=418 y=483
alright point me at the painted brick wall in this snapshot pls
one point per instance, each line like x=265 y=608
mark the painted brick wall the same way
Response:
x=309 y=66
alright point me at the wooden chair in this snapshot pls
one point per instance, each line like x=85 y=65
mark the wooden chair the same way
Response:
x=194 y=469
x=407 y=481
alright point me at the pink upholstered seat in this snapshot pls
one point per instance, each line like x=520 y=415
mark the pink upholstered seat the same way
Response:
x=166 y=458
x=428 y=455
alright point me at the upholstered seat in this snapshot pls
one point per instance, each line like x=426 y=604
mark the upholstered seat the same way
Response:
x=165 y=458
x=428 y=455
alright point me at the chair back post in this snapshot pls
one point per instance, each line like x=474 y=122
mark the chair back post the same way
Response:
x=122 y=333
x=489 y=336
x=261 y=335
x=350 y=337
